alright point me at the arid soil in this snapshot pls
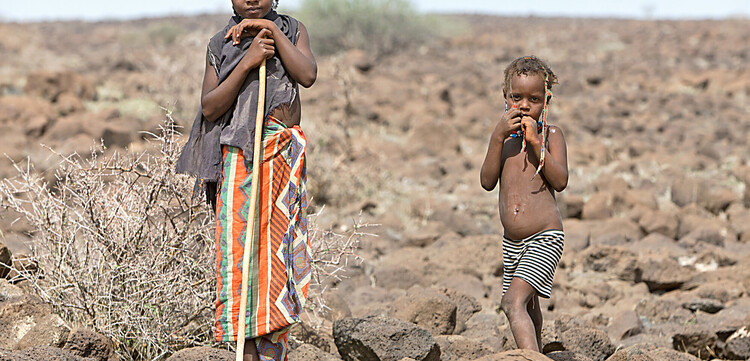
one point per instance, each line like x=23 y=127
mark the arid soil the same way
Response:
x=656 y=213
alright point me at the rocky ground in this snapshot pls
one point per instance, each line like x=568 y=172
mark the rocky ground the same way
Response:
x=656 y=214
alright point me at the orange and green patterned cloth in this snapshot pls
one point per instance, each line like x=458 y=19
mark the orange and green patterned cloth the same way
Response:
x=280 y=264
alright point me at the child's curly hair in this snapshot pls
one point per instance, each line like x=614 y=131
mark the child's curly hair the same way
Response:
x=529 y=65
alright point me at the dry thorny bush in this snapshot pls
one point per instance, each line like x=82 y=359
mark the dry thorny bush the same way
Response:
x=124 y=248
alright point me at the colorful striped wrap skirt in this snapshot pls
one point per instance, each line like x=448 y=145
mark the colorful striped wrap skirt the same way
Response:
x=280 y=263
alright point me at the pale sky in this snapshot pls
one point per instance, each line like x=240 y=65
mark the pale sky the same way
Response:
x=34 y=10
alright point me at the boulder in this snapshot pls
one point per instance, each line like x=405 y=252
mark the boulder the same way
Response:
x=307 y=335
x=48 y=330
x=397 y=277
x=50 y=84
x=661 y=273
x=9 y=291
x=697 y=340
x=484 y=327
x=458 y=348
x=615 y=231
x=611 y=259
x=703 y=304
x=737 y=346
x=338 y=307
x=86 y=343
x=625 y=324
x=427 y=308
x=466 y=307
x=661 y=222
x=599 y=206
x=660 y=310
x=577 y=235
x=28 y=322
x=588 y=341
x=380 y=338
x=202 y=354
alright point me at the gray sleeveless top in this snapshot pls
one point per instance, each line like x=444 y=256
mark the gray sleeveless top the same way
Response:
x=201 y=156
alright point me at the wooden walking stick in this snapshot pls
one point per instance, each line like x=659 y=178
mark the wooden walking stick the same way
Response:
x=253 y=205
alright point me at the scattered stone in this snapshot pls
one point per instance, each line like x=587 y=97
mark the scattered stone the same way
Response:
x=466 y=306
x=696 y=340
x=661 y=273
x=339 y=308
x=48 y=330
x=457 y=348
x=427 y=308
x=625 y=324
x=703 y=304
x=9 y=291
x=86 y=343
x=484 y=327
x=737 y=346
x=202 y=354
x=382 y=338
x=599 y=206
x=660 y=310
x=20 y=316
x=308 y=335
x=551 y=339
x=49 y=85
x=611 y=259
x=659 y=222
x=588 y=341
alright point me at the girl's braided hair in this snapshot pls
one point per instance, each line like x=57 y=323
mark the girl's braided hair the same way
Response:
x=529 y=65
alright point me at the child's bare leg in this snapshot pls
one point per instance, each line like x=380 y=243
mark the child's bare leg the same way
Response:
x=251 y=351
x=535 y=311
x=515 y=305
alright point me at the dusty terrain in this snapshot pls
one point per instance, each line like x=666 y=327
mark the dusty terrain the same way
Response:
x=656 y=214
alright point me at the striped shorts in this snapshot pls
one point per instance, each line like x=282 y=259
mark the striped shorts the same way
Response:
x=533 y=259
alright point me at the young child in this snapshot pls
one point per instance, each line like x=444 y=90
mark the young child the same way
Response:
x=220 y=152
x=530 y=161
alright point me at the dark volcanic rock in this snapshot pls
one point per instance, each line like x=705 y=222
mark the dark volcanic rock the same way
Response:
x=383 y=339
x=696 y=340
x=86 y=343
x=458 y=348
x=466 y=306
x=8 y=291
x=29 y=323
x=737 y=346
x=703 y=304
x=588 y=341
x=624 y=325
x=427 y=308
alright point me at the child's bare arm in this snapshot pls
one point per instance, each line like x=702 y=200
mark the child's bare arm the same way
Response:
x=555 y=168
x=298 y=60
x=217 y=98
x=492 y=166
